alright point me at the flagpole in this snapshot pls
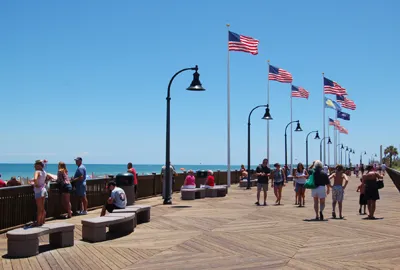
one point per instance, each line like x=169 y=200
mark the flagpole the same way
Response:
x=268 y=121
x=229 y=117
x=291 y=130
x=323 y=115
x=329 y=153
x=336 y=140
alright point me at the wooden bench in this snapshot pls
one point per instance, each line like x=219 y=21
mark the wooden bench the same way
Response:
x=24 y=242
x=94 y=229
x=142 y=212
x=193 y=193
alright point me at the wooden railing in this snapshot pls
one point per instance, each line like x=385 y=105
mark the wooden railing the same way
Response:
x=17 y=204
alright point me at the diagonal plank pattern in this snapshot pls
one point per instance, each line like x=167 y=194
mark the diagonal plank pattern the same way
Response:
x=233 y=233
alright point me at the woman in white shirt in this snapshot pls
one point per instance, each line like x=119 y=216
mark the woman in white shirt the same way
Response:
x=300 y=178
x=39 y=188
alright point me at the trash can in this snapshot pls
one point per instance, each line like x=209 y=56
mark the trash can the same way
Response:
x=125 y=181
x=201 y=178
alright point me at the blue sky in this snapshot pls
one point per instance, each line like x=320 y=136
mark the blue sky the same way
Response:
x=90 y=77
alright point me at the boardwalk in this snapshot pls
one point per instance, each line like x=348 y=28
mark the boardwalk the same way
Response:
x=233 y=233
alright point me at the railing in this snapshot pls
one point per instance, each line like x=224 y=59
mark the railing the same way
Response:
x=17 y=204
x=395 y=176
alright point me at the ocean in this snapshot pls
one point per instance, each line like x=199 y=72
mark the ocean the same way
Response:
x=27 y=170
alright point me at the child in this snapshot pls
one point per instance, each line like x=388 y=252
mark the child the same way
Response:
x=363 y=201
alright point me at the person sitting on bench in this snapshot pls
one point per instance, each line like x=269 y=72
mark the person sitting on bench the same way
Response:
x=117 y=199
x=190 y=181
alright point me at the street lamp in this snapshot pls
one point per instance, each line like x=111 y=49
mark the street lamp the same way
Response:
x=316 y=138
x=361 y=154
x=372 y=158
x=194 y=86
x=338 y=152
x=345 y=160
x=298 y=128
x=351 y=152
x=320 y=146
x=267 y=116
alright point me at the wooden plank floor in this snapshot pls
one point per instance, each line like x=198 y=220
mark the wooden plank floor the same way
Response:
x=233 y=233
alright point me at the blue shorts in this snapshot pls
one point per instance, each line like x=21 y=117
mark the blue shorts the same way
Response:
x=299 y=186
x=41 y=194
x=80 y=190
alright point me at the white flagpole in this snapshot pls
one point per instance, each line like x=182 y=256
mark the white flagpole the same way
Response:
x=336 y=141
x=291 y=131
x=340 y=148
x=323 y=116
x=229 y=118
x=268 y=121
x=329 y=153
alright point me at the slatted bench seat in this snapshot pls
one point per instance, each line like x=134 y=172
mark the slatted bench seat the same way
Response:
x=142 y=212
x=193 y=193
x=94 y=229
x=243 y=183
x=24 y=242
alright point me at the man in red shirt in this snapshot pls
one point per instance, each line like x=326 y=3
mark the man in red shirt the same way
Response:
x=133 y=171
x=2 y=183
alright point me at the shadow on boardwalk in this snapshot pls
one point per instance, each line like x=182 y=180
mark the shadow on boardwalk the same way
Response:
x=233 y=233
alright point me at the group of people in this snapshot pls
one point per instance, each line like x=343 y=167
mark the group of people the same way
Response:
x=41 y=180
x=190 y=180
x=277 y=177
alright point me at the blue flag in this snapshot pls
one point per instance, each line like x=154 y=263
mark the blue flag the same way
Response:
x=339 y=98
x=329 y=103
x=343 y=115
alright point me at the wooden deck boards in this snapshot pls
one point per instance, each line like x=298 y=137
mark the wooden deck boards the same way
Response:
x=233 y=233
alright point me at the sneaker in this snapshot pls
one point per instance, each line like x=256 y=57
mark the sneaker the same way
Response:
x=333 y=214
x=321 y=216
x=265 y=203
x=83 y=213
x=257 y=203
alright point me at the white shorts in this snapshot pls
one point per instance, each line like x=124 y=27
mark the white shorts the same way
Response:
x=318 y=192
x=188 y=187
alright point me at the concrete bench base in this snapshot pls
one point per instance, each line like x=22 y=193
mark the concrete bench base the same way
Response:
x=25 y=242
x=244 y=183
x=193 y=193
x=142 y=212
x=94 y=229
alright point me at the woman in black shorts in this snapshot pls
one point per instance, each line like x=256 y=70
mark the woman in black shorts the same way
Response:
x=371 y=190
x=65 y=187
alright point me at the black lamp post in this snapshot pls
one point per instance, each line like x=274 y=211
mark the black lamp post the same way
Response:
x=345 y=160
x=298 y=128
x=351 y=152
x=361 y=154
x=194 y=86
x=372 y=158
x=316 y=138
x=267 y=116
x=320 y=146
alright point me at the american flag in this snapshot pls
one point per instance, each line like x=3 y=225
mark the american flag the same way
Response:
x=299 y=92
x=331 y=87
x=348 y=103
x=343 y=130
x=242 y=43
x=280 y=75
x=335 y=123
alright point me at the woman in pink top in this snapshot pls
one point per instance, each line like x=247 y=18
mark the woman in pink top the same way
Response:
x=190 y=180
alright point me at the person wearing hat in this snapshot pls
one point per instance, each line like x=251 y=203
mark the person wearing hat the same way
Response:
x=80 y=184
x=278 y=181
x=117 y=199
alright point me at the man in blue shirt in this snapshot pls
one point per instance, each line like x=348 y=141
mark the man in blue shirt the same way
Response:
x=80 y=184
